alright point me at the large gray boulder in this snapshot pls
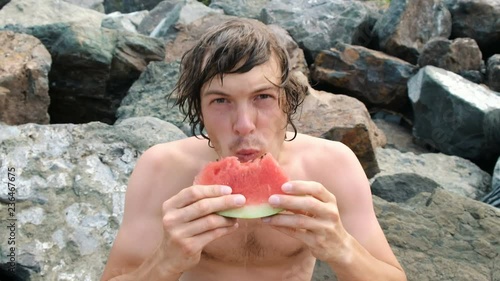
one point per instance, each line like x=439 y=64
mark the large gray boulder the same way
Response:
x=451 y=173
x=455 y=116
x=407 y=25
x=39 y=12
x=376 y=79
x=71 y=181
x=24 y=87
x=317 y=25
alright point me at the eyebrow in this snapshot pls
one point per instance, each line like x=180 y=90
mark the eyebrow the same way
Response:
x=222 y=93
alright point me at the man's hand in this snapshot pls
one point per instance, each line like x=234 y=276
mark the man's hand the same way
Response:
x=190 y=223
x=314 y=219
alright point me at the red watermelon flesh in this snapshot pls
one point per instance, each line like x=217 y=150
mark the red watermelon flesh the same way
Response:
x=256 y=180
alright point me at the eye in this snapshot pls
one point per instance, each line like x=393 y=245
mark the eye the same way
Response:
x=264 y=96
x=219 y=100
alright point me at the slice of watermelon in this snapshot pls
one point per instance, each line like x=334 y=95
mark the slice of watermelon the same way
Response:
x=256 y=180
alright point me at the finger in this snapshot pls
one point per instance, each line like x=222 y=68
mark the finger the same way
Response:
x=296 y=226
x=204 y=224
x=299 y=234
x=298 y=204
x=194 y=193
x=201 y=240
x=311 y=188
x=293 y=221
x=208 y=206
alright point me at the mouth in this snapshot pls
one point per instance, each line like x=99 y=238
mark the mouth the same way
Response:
x=247 y=155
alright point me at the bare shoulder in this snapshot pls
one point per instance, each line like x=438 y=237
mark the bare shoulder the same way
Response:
x=321 y=154
x=176 y=161
x=335 y=165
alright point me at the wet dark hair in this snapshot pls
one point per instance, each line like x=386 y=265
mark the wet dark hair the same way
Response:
x=235 y=46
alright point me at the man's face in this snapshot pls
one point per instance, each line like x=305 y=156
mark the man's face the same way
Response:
x=242 y=115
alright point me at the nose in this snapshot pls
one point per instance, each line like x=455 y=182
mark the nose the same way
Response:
x=244 y=123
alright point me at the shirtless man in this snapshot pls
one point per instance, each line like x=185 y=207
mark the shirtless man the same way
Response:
x=236 y=85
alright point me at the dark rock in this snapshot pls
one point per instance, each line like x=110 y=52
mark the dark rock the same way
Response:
x=455 y=115
x=401 y=187
x=149 y=96
x=493 y=197
x=478 y=20
x=296 y=55
x=92 y=69
x=475 y=76
x=3 y=3
x=493 y=72
x=408 y=25
x=377 y=79
x=129 y=6
x=459 y=55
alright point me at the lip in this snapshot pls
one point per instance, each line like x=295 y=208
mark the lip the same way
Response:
x=245 y=155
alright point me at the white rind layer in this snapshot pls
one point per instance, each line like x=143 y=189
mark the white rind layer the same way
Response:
x=251 y=212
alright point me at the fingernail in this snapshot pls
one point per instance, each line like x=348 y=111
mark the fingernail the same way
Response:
x=266 y=219
x=286 y=187
x=225 y=189
x=239 y=199
x=274 y=200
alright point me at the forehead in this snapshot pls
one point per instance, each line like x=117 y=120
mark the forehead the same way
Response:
x=267 y=75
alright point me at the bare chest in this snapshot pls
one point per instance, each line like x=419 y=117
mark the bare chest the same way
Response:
x=253 y=244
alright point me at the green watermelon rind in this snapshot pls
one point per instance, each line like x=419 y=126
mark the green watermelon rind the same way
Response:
x=251 y=212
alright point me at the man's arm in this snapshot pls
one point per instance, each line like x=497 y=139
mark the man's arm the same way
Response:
x=135 y=254
x=337 y=221
x=368 y=256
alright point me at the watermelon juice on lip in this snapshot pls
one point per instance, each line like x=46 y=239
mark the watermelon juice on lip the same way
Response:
x=256 y=180
x=246 y=155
